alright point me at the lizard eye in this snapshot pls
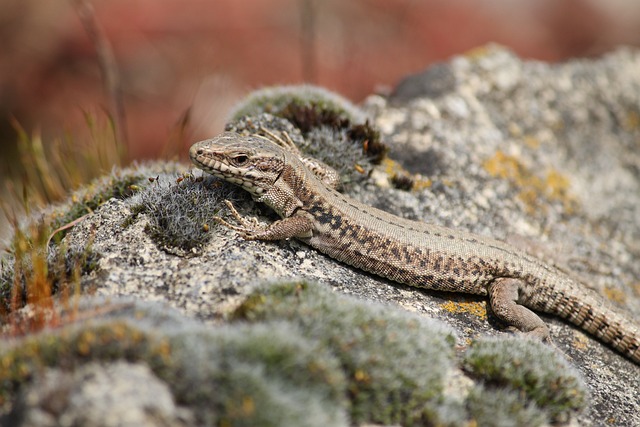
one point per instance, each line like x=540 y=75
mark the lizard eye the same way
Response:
x=240 y=160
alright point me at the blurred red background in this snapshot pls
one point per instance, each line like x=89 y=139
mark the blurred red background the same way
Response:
x=202 y=56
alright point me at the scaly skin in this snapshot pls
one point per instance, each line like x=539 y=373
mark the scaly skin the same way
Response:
x=410 y=252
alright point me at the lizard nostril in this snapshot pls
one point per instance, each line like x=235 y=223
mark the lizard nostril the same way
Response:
x=200 y=152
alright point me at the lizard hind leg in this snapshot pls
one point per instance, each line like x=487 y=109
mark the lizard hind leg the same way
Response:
x=503 y=298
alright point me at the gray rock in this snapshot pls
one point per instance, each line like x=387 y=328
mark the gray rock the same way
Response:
x=545 y=156
x=115 y=395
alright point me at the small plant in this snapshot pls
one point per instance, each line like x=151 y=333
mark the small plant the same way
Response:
x=277 y=100
x=528 y=367
x=180 y=212
x=243 y=374
x=33 y=267
x=499 y=407
x=382 y=350
x=258 y=374
x=50 y=171
x=26 y=275
x=328 y=127
x=73 y=346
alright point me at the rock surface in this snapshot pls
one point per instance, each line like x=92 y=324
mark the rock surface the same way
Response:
x=113 y=395
x=544 y=156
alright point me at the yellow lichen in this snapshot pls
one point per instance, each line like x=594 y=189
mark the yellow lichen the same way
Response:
x=248 y=406
x=534 y=189
x=531 y=141
x=632 y=121
x=557 y=185
x=615 y=295
x=476 y=308
x=390 y=166
x=580 y=341
x=514 y=130
x=421 y=184
x=361 y=376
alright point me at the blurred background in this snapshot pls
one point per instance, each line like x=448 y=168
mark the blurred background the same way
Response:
x=197 y=57
x=178 y=66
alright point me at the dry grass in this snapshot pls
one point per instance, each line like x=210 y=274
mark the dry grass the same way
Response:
x=49 y=174
x=36 y=269
x=33 y=266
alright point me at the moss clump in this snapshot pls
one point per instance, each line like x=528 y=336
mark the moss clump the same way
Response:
x=71 y=347
x=275 y=100
x=69 y=264
x=531 y=368
x=265 y=123
x=180 y=212
x=395 y=362
x=32 y=272
x=299 y=355
x=265 y=374
x=119 y=185
x=241 y=375
x=353 y=159
x=503 y=408
x=7 y=274
x=332 y=129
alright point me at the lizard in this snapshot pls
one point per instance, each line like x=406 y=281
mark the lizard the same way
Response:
x=418 y=254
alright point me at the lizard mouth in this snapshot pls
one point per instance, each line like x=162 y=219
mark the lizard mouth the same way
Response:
x=207 y=161
x=222 y=170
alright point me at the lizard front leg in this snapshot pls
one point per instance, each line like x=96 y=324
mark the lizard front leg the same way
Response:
x=250 y=229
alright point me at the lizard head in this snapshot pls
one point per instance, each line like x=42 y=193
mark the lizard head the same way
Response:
x=250 y=162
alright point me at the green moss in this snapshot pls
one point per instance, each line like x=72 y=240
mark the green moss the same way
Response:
x=256 y=125
x=250 y=400
x=180 y=211
x=503 y=408
x=72 y=262
x=71 y=347
x=325 y=126
x=382 y=350
x=60 y=267
x=7 y=273
x=529 y=367
x=265 y=374
x=242 y=375
x=275 y=100
x=352 y=154
x=119 y=185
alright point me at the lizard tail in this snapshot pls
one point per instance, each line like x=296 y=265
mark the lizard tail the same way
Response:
x=592 y=314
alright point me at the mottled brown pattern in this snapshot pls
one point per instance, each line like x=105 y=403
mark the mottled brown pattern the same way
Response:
x=409 y=252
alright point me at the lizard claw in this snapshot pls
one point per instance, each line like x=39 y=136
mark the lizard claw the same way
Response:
x=248 y=228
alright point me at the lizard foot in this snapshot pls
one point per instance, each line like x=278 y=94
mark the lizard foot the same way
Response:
x=249 y=227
